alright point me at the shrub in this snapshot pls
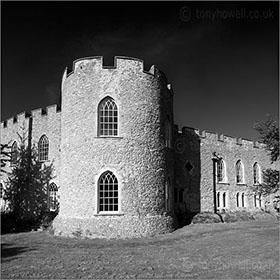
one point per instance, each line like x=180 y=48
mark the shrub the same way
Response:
x=206 y=217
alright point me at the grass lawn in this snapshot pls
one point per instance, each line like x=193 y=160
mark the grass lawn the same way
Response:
x=242 y=250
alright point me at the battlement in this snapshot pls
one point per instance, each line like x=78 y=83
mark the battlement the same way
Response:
x=213 y=136
x=120 y=62
x=24 y=116
x=19 y=118
x=50 y=110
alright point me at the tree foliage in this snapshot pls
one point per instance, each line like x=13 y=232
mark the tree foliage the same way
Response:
x=270 y=181
x=269 y=135
x=26 y=189
x=4 y=156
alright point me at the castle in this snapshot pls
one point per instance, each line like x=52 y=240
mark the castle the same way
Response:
x=122 y=168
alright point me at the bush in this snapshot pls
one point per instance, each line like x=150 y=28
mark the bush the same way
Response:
x=47 y=219
x=231 y=217
x=206 y=217
x=8 y=222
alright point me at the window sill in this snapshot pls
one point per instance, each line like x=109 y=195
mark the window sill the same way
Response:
x=241 y=184
x=109 y=214
x=109 y=137
x=223 y=183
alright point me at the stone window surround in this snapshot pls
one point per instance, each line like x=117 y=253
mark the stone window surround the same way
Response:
x=258 y=201
x=242 y=182
x=43 y=138
x=225 y=178
x=241 y=200
x=96 y=193
x=52 y=194
x=220 y=200
x=259 y=174
x=108 y=96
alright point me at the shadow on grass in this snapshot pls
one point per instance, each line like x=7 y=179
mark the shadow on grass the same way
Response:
x=9 y=251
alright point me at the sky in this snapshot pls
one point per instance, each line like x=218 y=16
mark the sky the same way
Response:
x=222 y=58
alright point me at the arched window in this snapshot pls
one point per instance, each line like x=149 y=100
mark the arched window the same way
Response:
x=256 y=173
x=239 y=172
x=260 y=201
x=53 y=201
x=224 y=199
x=237 y=200
x=168 y=133
x=218 y=199
x=14 y=153
x=108 y=117
x=242 y=200
x=221 y=171
x=43 y=148
x=108 y=192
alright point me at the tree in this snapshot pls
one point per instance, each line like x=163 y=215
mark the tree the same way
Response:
x=269 y=135
x=4 y=156
x=26 y=190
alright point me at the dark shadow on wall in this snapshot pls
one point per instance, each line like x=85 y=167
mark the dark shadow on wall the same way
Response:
x=187 y=175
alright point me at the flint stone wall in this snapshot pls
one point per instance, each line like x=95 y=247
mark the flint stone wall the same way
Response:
x=138 y=156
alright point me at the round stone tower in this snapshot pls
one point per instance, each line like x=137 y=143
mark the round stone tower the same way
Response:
x=116 y=151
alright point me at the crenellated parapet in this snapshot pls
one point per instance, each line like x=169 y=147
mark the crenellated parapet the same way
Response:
x=220 y=138
x=49 y=111
x=121 y=63
x=18 y=119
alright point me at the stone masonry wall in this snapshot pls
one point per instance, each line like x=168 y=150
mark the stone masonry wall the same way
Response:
x=137 y=156
x=199 y=148
x=43 y=123
x=49 y=123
